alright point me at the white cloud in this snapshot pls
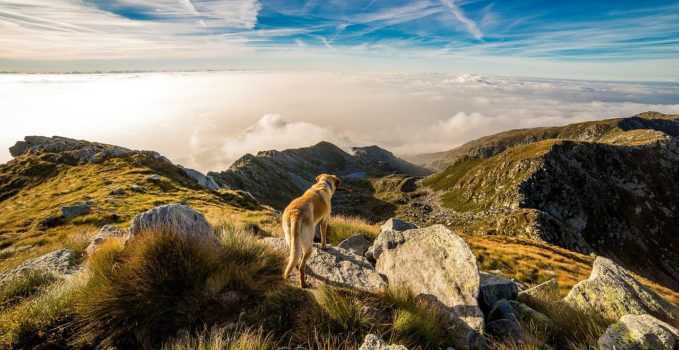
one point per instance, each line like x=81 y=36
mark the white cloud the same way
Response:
x=459 y=14
x=273 y=132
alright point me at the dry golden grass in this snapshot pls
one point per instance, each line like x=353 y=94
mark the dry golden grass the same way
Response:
x=532 y=263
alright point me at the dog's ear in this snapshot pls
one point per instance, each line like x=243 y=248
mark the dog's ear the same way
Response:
x=338 y=182
x=318 y=178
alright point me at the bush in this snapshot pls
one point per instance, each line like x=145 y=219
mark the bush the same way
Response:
x=162 y=283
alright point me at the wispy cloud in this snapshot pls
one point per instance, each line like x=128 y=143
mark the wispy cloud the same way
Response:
x=457 y=12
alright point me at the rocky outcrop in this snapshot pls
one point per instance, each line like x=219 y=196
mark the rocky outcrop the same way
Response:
x=179 y=218
x=78 y=150
x=634 y=332
x=105 y=232
x=612 y=292
x=276 y=177
x=202 y=179
x=373 y=342
x=437 y=263
x=337 y=267
x=57 y=263
x=493 y=288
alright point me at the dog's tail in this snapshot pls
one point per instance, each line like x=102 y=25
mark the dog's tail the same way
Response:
x=295 y=244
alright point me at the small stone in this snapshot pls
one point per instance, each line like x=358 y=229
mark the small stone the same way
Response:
x=356 y=244
x=373 y=342
x=154 y=178
x=72 y=211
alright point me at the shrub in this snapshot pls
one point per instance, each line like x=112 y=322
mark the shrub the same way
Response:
x=162 y=283
x=221 y=339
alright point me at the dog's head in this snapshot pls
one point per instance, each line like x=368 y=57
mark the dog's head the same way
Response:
x=332 y=180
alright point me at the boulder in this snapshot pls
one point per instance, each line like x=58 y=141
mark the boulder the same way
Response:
x=71 y=211
x=335 y=266
x=612 y=292
x=395 y=224
x=437 y=263
x=58 y=263
x=373 y=342
x=639 y=332
x=356 y=244
x=506 y=330
x=105 y=232
x=502 y=310
x=527 y=315
x=182 y=219
x=547 y=290
x=493 y=288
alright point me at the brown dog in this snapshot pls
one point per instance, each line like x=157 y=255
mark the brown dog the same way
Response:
x=301 y=217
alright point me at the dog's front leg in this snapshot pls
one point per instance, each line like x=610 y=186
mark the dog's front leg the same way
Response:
x=324 y=233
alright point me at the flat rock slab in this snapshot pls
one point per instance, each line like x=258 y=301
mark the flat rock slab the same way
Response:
x=59 y=263
x=336 y=266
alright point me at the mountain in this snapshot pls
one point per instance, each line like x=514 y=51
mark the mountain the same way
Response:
x=613 y=131
x=276 y=177
x=608 y=187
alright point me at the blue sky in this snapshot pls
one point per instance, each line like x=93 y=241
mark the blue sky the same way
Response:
x=634 y=40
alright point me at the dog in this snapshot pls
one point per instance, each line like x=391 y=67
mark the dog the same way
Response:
x=300 y=219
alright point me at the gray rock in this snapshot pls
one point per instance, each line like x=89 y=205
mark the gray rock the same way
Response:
x=611 y=291
x=105 y=232
x=118 y=192
x=18 y=149
x=335 y=266
x=183 y=219
x=435 y=262
x=506 y=330
x=373 y=342
x=395 y=224
x=356 y=244
x=137 y=188
x=370 y=254
x=202 y=180
x=58 y=263
x=634 y=332
x=154 y=178
x=502 y=310
x=339 y=267
x=493 y=288
x=527 y=315
x=72 y=211
x=547 y=291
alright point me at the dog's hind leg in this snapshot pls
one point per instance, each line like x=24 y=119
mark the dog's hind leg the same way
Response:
x=306 y=252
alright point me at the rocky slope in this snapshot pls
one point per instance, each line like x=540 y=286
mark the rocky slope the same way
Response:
x=609 y=131
x=276 y=177
x=615 y=196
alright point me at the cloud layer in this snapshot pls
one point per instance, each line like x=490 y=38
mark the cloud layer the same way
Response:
x=207 y=120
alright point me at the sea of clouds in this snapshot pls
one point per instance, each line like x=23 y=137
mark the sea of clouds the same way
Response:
x=207 y=120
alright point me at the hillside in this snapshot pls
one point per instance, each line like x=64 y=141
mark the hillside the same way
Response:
x=100 y=184
x=613 y=131
x=276 y=177
x=614 y=195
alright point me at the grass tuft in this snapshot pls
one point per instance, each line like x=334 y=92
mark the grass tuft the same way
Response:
x=342 y=227
x=344 y=308
x=221 y=339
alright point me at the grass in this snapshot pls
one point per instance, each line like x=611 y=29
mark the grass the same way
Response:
x=23 y=286
x=342 y=227
x=346 y=310
x=162 y=283
x=219 y=338
x=414 y=319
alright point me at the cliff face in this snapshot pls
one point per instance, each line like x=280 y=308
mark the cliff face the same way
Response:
x=616 y=196
x=276 y=177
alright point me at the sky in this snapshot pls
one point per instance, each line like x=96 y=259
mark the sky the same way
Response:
x=207 y=120
x=578 y=39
